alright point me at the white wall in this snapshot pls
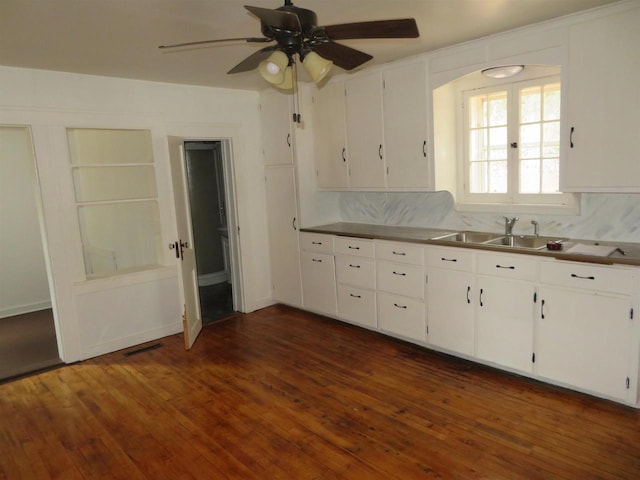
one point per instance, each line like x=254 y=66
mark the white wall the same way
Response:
x=49 y=102
x=23 y=282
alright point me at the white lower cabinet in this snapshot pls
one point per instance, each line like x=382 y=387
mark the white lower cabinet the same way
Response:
x=400 y=289
x=585 y=337
x=505 y=310
x=318 y=274
x=450 y=299
x=357 y=305
x=356 y=277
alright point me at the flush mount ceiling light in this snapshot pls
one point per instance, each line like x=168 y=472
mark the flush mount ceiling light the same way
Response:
x=504 y=71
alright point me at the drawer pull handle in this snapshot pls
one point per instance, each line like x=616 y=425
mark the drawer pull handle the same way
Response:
x=355 y=296
x=399 y=253
x=399 y=306
x=354 y=248
x=354 y=266
x=583 y=278
x=449 y=259
x=400 y=273
x=316 y=243
x=468 y=292
x=316 y=260
x=511 y=267
x=542 y=309
x=481 y=292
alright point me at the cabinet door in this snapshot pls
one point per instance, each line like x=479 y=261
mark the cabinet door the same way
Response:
x=450 y=310
x=357 y=305
x=604 y=100
x=365 y=149
x=330 y=143
x=401 y=316
x=277 y=141
x=584 y=339
x=283 y=237
x=405 y=126
x=504 y=322
x=319 y=283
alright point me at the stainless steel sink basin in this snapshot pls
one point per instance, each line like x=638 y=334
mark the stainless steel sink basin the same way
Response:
x=469 y=237
x=523 y=241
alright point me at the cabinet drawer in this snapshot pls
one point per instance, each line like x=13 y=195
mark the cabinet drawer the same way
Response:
x=319 y=283
x=357 y=271
x=354 y=246
x=407 y=280
x=517 y=267
x=588 y=277
x=316 y=242
x=402 y=316
x=400 y=252
x=450 y=258
x=357 y=305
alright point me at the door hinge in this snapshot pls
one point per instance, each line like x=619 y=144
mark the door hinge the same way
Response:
x=628 y=382
x=533 y=357
x=631 y=314
x=427 y=329
x=317 y=173
x=387 y=170
x=238 y=229
x=426 y=279
x=535 y=297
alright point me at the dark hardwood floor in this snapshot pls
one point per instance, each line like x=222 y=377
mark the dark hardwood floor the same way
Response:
x=283 y=394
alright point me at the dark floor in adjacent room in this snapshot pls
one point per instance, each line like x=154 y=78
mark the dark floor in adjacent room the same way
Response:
x=216 y=302
x=27 y=343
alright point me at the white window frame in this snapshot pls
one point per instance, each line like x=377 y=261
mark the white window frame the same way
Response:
x=511 y=202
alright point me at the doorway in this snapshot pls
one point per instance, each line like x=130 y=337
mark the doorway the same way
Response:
x=208 y=198
x=28 y=340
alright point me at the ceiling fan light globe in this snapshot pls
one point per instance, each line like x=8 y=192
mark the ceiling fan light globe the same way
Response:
x=287 y=83
x=272 y=69
x=316 y=66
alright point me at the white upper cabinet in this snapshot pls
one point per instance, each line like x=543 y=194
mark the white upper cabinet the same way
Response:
x=330 y=143
x=365 y=144
x=407 y=145
x=277 y=136
x=603 y=105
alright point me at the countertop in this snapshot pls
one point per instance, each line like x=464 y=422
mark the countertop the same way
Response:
x=631 y=255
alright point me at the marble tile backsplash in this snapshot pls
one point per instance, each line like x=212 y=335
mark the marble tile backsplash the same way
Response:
x=614 y=217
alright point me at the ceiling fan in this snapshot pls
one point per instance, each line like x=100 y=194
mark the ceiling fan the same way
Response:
x=296 y=32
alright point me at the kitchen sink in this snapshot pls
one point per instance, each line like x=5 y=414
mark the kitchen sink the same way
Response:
x=469 y=237
x=523 y=241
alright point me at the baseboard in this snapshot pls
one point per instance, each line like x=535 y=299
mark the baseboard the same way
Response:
x=21 y=309
x=212 y=278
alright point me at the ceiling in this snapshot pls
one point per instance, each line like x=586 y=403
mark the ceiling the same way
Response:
x=120 y=38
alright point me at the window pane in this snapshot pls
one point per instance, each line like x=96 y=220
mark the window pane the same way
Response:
x=498 y=177
x=478 y=180
x=498 y=143
x=530 y=176
x=552 y=101
x=530 y=141
x=498 y=109
x=478 y=144
x=530 y=107
x=119 y=236
x=550 y=176
x=551 y=140
x=113 y=183
x=89 y=146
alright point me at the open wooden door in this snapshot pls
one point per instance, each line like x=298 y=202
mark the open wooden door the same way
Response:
x=191 y=317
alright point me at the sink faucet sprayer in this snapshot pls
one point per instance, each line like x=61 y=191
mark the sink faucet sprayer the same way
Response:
x=536 y=228
x=508 y=225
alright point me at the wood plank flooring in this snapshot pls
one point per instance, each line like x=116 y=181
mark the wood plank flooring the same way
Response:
x=283 y=394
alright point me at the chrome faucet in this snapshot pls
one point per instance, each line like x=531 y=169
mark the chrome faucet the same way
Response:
x=508 y=225
x=536 y=228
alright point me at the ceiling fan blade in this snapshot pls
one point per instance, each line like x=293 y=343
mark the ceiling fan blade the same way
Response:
x=252 y=61
x=277 y=18
x=344 y=57
x=205 y=42
x=400 y=28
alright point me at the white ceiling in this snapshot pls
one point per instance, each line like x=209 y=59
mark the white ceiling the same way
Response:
x=119 y=38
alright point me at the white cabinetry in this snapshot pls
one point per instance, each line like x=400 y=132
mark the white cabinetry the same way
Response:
x=318 y=273
x=400 y=289
x=505 y=311
x=277 y=135
x=585 y=335
x=356 y=277
x=284 y=253
x=330 y=142
x=450 y=299
x=603 y=104
x=365 y=131
x=407 y=146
